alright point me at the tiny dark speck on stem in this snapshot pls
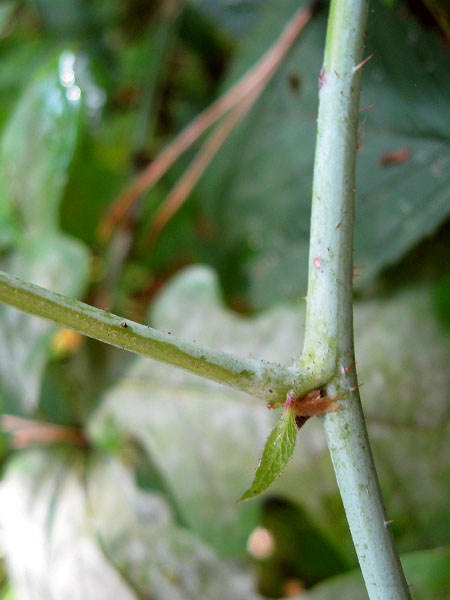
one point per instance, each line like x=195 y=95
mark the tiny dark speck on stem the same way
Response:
x=124 y=325
x=294 y=82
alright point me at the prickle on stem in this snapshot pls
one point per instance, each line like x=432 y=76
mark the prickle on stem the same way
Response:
x=345 y=370
x=356 y=387
x=362 y=63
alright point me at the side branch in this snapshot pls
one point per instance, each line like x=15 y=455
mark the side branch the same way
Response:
x=258 y=378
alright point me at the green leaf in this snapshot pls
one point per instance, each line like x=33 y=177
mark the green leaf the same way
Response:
x=237 y=18
x=6 y=10
x=277 y=452
x=104 y=537
x=221 y=433
x=38 y=144
x=35 y=154
x=55 y=262
x=257 y=192
x=206 y=440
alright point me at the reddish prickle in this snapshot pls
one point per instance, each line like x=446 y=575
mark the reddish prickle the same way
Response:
x=356 y=387
x=362 y=63
x=349 y=368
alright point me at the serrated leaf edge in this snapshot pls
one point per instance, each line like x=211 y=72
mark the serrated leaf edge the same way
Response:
x=277 y=451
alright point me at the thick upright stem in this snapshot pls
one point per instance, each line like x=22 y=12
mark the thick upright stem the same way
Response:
x=329 y=327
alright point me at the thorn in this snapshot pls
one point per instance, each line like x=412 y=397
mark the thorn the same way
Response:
x=366 y=107
x=271 y=405
x=124 y=325
x=302 y=297
x=356 y=387
x=317 y=263
x=386 y=523
x=354 y=190
x=362 y=63
x=338 y=225
x=345 y=370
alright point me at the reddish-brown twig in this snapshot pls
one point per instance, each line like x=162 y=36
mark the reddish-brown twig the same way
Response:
x=25 y=432
x=261 y=71
x=190 y=177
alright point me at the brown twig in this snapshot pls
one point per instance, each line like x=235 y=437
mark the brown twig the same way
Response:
x=25 y=432
x=261 y=71
x=191 y=176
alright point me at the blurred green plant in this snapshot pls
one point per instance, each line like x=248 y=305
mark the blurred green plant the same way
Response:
x=62 y=162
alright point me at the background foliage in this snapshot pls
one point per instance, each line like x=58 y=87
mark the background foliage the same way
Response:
x=146 y=507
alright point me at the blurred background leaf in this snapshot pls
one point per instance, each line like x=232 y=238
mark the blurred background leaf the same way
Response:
x=85 y=543
x=222 y=432
x=36 y=149
x=259 y=202
x=427 y=573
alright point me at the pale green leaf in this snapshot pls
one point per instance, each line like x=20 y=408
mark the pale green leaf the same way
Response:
x=53 y=261
x=206 y=440
x=38 y=144
x=104 y=538
x=6 y=10
x=221 y=432
x=277 y=452
x=36 y=150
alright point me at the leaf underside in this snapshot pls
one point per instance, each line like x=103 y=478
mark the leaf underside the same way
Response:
x=277 y=452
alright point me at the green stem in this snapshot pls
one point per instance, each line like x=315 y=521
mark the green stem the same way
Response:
x=259 y=378
x=329 y=325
